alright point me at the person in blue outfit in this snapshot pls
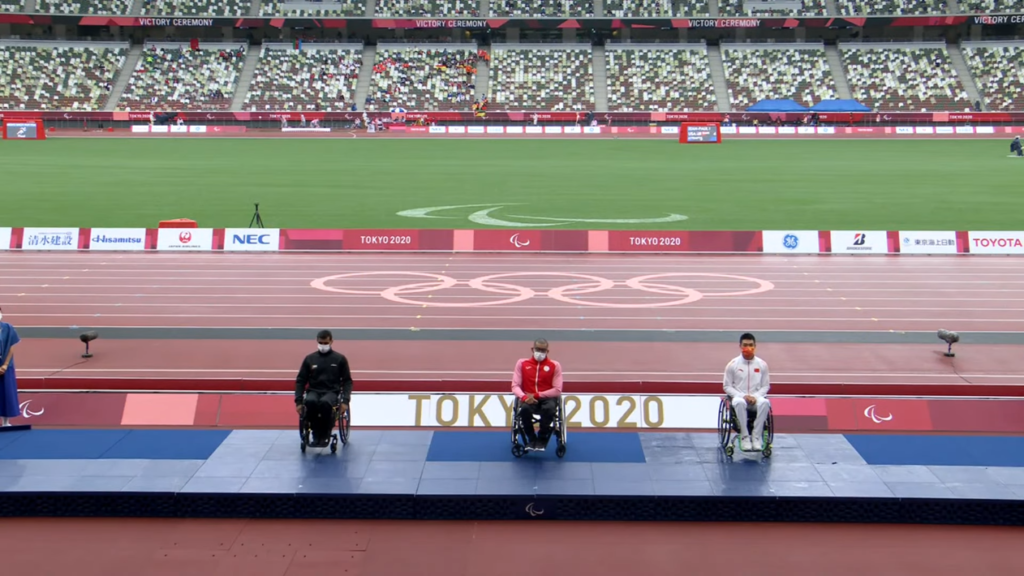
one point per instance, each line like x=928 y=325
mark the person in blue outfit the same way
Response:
x=1015 y=146
x=9 y=407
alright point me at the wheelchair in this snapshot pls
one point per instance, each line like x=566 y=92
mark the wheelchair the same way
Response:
x=343 y=421
x=729 y=430
x=558 y=429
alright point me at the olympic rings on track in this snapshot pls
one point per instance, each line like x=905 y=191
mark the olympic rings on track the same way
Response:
x=568 y=293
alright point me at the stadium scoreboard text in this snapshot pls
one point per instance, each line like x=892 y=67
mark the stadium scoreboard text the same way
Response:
x=700 y=133
x=23 y=130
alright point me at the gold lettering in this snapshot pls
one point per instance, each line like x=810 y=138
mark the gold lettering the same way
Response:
x=419 y=399
x=576 y=405
x=477 y=410
x=603 y=421
x=507 y=406
x=624 y=421
x=440 y=410
x=648 y=421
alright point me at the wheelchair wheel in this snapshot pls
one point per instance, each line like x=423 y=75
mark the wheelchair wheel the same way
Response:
x=334 y=443
x=560 y=451
x=730 y=450
x=518 y=450
x=344 y=425
x=725 y=425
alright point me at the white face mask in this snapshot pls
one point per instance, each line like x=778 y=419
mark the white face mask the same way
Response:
x=1 y=316
x=324 y=348
x=540 y=356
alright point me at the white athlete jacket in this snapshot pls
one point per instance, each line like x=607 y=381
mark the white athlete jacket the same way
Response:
x=746 y=378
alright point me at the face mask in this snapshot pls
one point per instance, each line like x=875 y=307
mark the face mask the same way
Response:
x=748 y=354
x=540 y=356
x=324 y=348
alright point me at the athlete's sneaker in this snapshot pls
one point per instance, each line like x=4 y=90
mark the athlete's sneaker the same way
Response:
x=745 y=444
x=758 y=443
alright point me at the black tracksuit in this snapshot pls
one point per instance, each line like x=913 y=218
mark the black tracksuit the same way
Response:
x=329 y=379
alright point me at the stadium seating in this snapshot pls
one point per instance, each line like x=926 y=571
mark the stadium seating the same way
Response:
x=903 y=79
x=320 y=77
x=425 y=8
x=542 y=78
x=890 y=7
x=172 y=77
x=655 y=8
x=659 y=79
x=549 y=8
x=12 y=5
x=754 y=74
x=45 y=76
x=351 y=8
x=113 y=7
x=997 y=70
x=990 y=6
x=214 y=8
x=422 y=78
x=733 y=8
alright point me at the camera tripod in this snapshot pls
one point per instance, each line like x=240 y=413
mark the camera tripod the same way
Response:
x=256 y=218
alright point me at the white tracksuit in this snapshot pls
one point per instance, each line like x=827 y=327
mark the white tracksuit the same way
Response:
x=748 y=378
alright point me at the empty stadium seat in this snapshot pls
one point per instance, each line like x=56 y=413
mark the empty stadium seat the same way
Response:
x=542 y=8
x=909 y=79
x=542 y=78
x=427 y=8
x=173 y=77
x=999 y=73
x=12 y=5
x=49 y=77
x=320 y=77
x=755 y=74
x=422 y=78
x=659 y=79
x=334 y=8
x=655 y=8
x=113 y=7
x=890 y=7
x=213 y=8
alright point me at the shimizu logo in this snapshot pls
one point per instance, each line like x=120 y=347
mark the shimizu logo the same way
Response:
x=484 y=217
x=870 y=413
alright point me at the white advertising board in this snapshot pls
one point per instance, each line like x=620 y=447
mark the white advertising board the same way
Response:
x=790 y=242
x=917 y=242
x=252 y=239
x=185 y=239
x=50 y=239
x=117 y=239
x=849 y=242
x=995 y=242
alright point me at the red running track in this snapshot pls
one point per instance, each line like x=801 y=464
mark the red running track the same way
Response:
x=492 y=292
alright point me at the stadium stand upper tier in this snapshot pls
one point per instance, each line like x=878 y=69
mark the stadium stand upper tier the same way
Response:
x=909 y=78
x=998 y=70
x=111 y=7
x=541 y=8
x=890 y=7
x=48 y=76
x=169 y=76
x=12 y=5
x=549 y=78
x=656 y=8
x=659 y=78
x=990 y=6
x=756 y=73
x=317 y=78
x=215 y=8
x=427 y=8
x=738 y=8
x=427 y=77
x=336 y=9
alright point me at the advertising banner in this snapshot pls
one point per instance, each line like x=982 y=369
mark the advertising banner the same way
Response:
x=928 y=242
x=382 y=240
x=790 y=242
x=844 y=242
x=117 y=239
x=252 y=239
x=50 y=239
x=5 y=238
x=185 y=239
x=995 y=242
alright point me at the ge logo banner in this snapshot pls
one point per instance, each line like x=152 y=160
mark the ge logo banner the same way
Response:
x=252 y=239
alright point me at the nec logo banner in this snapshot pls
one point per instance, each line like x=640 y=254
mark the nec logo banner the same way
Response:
x=252 y=239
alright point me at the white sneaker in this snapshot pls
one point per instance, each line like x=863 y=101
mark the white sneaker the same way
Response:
x=758 y=443
x=745 y=444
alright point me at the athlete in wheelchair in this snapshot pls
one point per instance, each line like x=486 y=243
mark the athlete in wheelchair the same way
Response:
x=323 y=393
x=537 y=386
x=745 y=410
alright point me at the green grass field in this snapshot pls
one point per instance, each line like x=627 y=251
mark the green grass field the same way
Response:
x=341 y=183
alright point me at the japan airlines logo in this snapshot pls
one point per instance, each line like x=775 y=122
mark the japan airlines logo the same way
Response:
x=185 y=237
x=873 y=415
x=26 y=413
x=533 y=511
x=515 y=241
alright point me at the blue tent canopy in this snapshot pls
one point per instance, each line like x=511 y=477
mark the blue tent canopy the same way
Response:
x=777 y=106
x=840 y=106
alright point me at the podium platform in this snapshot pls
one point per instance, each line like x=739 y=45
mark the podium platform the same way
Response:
x=178 y=223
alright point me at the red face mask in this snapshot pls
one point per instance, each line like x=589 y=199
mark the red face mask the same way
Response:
x=748 y=353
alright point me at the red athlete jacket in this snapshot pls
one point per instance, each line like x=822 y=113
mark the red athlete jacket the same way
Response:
x=539 y=379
